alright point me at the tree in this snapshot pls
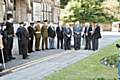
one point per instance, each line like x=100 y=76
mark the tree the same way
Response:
x=87 y=10
x=63 y=3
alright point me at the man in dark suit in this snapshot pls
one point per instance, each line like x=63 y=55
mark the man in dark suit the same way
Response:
x=24 y=36
x=59 y=31
x=87 y=34
x=67 y=37
x=10 y=34
x=31 y=37
x=19 y=37
x=51 y=35
x=96 y=36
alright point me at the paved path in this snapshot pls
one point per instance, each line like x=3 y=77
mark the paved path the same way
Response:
x=50 y=61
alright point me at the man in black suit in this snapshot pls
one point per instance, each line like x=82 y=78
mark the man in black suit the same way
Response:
x=67 y=37
x=31 y=37
x=10 y=34
x=87 y=34
x=59 y=31
x=96 y=36
x=19 y=37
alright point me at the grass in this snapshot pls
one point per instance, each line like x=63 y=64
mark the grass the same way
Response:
x=89 y=68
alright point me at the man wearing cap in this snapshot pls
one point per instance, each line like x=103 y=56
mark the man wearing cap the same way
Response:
x=19 y=36
x=44 y=32
x=10 y=34
x=37 y=35
x=31 y=37
x=24 y=36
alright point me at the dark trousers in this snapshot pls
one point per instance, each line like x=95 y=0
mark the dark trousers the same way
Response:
x=30 y=44
x=24 y=48
x=67 y=43
x=45 y=42
x=37 y=41
x=88 y=43
x=59 y=40
x=19 y=46
x=95 y=44
x=77 y=42
x=10 y=46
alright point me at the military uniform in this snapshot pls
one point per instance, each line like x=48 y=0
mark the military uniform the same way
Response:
x=44 y=32
x=37 y=37
x=10 y=34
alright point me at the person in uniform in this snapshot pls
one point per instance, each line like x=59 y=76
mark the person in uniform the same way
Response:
x=44 y=32
x=37 y=36
x=59 y=31
x=96 y=36
x=87 y=34
x=4 y=42
x=31 y=37
x=19 y=37
x=51 y=35
x=67 y=37
x=24 y=36
x=10 y=34
x=77 y=35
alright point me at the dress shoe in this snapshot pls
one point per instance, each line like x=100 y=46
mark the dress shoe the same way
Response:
x=13 y=58
x=37 y=49
x=25 y=57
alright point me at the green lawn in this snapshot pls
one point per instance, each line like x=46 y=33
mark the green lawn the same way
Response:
x=89 y=68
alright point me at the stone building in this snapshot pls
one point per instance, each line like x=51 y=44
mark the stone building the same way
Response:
x=1 y=11
x=33 y=10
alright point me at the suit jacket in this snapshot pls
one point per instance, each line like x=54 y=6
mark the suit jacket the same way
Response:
x=96 y=33
x=31 y=31
x=67 y=31
x=51 y=32
x=18 y=33
x=77 y=30
x=59 y=32
x=88 y=31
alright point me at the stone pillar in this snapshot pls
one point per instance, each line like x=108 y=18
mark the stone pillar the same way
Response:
x=1 y=11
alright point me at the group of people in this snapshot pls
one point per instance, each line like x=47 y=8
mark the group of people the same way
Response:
x=26 y=33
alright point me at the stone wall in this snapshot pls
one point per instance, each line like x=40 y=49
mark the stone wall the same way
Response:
x=21 y=11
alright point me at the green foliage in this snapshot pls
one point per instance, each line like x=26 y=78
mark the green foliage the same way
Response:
x=89 y=10
x=63 y=3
